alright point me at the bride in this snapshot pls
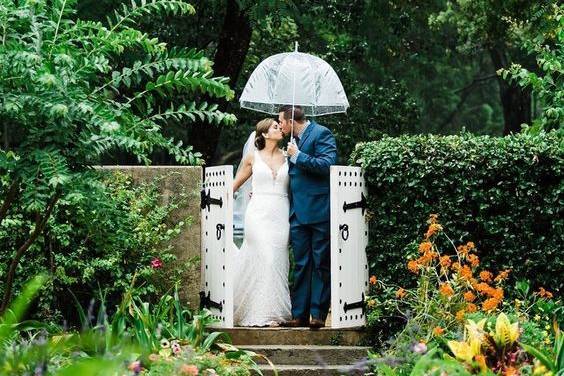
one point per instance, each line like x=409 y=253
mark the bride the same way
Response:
x=261 y=292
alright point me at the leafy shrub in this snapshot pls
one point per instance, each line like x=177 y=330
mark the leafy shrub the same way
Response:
x=507 y=193
x=99 y=241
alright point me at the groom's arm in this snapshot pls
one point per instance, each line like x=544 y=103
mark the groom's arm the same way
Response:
x=326 y=155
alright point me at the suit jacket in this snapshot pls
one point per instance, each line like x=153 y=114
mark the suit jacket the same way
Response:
x=309 y=176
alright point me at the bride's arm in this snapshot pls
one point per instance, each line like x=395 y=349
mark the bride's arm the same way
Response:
x=244 y=172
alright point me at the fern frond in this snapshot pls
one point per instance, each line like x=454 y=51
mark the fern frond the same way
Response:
x=143 y=8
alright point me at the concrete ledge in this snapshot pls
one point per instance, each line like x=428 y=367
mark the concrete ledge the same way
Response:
x=174 y=181
x=294 y=336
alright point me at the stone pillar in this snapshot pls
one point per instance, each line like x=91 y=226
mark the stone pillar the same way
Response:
x=173 y=181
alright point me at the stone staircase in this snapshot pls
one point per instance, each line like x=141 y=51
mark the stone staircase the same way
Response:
x=304 y=352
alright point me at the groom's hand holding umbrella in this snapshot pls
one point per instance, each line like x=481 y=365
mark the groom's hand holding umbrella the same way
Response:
x=292 y=149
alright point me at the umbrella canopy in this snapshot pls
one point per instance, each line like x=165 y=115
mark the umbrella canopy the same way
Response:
x=294 y=78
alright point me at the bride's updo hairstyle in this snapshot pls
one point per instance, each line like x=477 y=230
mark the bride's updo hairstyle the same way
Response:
x=262 y=127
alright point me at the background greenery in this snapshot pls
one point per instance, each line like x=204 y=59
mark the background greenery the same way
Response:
x=504 y=194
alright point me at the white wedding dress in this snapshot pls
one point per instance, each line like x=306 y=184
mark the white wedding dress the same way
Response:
x=261 y=292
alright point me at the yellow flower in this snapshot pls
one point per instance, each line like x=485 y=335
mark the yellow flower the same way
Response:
x=460 y=315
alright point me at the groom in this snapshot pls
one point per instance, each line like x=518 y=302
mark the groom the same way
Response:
x=311 y=156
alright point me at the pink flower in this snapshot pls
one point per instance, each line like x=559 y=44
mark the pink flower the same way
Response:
x=420 y=348
x=135 y=367
x=156 y=263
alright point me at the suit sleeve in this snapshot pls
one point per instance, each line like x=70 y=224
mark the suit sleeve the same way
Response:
x=325 y=155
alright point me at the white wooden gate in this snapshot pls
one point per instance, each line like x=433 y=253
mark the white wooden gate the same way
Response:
x=217 y=238
x=349 y=238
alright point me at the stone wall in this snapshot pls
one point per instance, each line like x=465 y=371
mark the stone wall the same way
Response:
x=175 y=180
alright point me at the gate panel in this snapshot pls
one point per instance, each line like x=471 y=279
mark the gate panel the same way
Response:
x=349 y=238
x=217 y=240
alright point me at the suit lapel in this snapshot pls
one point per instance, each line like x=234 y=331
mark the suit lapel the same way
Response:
x=306 y=134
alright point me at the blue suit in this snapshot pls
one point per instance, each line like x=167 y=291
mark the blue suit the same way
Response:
x=309 y=222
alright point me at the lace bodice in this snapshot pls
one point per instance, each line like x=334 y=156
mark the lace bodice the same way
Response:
x=267 y=181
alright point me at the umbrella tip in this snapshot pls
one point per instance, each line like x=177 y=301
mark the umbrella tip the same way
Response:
x=296 y=46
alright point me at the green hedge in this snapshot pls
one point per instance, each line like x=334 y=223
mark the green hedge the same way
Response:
x=505 y=194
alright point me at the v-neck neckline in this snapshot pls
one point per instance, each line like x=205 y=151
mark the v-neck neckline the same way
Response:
x=274 y=174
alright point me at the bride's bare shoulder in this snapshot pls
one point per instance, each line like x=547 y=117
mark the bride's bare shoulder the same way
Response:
x=249 y=159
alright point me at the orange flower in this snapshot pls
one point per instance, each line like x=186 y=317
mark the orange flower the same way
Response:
x=401 y=293
x=433 y=218
x=425 y=246
x=463 y=250
x=483 y=287
x=490 y=304
x=438 y=331
x=189 y=369
x=427 y=258
x=496 y=293
x=486 y=276
x=455 y=266
x=465 y=272
x=469 y=296
x=502 y=276
x=433 y=229
x=413 y=266
x=511 y=371
x=481 y=360
x=471 y=307
x=545 y=293
x=446 y=290
x=373 y=280
x=470 y=245
x=445 y=261
x=460 y=315
x=473 y=260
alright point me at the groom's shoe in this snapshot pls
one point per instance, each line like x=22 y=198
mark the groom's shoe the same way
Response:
x=316 y=323
x=295 y=323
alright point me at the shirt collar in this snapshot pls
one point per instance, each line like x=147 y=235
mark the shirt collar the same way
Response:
x=303 y=130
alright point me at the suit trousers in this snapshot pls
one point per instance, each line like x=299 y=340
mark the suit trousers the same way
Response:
x=311 y=292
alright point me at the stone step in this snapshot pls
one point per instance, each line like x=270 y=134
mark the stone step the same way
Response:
x=293 y=336
x=297 y=370
x=309 y=354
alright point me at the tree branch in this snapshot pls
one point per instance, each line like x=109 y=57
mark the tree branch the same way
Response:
x=11 y=195
x=39 y=227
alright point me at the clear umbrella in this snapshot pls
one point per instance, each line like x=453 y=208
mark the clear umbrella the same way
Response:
x=294 y=78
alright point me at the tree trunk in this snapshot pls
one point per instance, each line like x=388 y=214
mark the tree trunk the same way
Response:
x=516 y=101
x=39 y=227
x=230 y=55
